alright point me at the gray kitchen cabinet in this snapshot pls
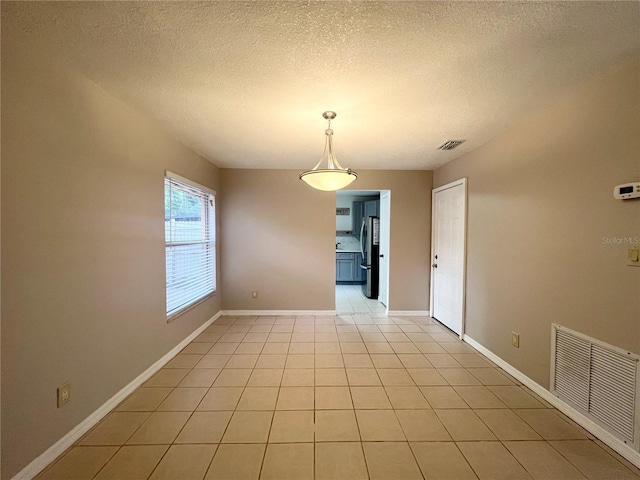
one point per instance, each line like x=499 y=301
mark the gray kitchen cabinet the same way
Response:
x=348 y=268
x=357 y=212
x=345 y=265
x=372 y=208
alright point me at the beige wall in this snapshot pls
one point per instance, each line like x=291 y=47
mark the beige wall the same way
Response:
x=540 y=203
x=278 y=238
x=83 y=285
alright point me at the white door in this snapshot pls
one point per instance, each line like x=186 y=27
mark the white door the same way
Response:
x=448 y=254
x=385 y=229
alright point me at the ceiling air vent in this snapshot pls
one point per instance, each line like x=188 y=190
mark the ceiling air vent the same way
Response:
x=450 y=144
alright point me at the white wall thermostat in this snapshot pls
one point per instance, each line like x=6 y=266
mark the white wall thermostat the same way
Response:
x=626 y=191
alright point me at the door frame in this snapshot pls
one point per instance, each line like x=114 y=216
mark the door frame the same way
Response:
x=463 y=182
x=388 y=245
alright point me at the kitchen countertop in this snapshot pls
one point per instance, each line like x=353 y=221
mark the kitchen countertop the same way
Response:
x=348 y=244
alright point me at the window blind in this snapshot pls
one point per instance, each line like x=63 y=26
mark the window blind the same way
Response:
x=190 y=244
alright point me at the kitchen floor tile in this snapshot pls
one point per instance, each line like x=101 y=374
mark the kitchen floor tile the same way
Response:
x=301 y=348
x=258 y=398
x=336 y=426
x=242 y=361
x=237 y=462
x=357 y=360
x=292 y=426
x=443 y=397
x=79 y=463
x=506 y=425
x=386 y=360
x=275 y=348
x=166 y=377
x=115 y=429
x=145 y=399
x=221 y=398
x=515 y=396
x=160 y=428
x=333 y=398
x=248 y=427
x=378 y=348
x=300 y=361
x=426 y=376
x=369 y=398
x=184 y=462
x=406 y=398
x=232 y=377
x=549 y=425
x=491 y=376
x=592 y=461
x=477 y=396
x=183 y=400
x=390 y=460
x=265 y=377
x=442 y=461
x=363 y=377
x=288 y=461
x=414 y=360
x=295 y=398
x=213 y=361
x=133 y=462
x=379 y=426
x=331 y=377
x=333 y=347
x=204 y=427
x=464 y=425
x=298 y=377
x=441 y=360
x=458 y=376
x=340 y=461
x=541 y=460
x=183 y=360
x=422 y=425
x=492 y=461
x=200 y=377
x=395 y=377
x=329 y=360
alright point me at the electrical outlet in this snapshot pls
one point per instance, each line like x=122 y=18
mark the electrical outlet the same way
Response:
x=515 y=339
x=254 y=294
x=64 y=394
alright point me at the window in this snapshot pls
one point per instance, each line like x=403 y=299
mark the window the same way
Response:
x=190 y=237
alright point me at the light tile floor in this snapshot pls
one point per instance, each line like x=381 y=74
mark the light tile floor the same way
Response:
x=350 y=300
x=346 y=397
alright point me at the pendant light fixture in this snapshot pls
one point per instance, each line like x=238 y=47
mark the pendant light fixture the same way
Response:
x=334 y=177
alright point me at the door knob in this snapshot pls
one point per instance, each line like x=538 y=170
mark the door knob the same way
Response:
x=381 y=256
x=435 y=265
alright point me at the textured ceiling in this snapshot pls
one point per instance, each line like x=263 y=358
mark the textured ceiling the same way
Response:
x=245 y=83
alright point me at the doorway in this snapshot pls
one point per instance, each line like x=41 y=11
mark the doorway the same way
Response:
x=448 y=254
x=362 y=273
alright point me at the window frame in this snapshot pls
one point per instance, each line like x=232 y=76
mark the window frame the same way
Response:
x=210 y=216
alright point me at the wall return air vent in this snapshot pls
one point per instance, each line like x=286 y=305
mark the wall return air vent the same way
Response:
x=597 y=379
x=450 y=144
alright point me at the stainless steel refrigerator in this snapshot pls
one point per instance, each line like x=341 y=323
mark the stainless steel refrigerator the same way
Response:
x=369 y=246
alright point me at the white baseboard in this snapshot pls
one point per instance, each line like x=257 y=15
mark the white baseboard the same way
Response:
x=585 y=422
x=272 y=313
x=409 y=313
x=49 y=455
x=396 y=313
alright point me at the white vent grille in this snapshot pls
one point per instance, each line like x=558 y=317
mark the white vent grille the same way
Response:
x=598 y=379
x=450 y=144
